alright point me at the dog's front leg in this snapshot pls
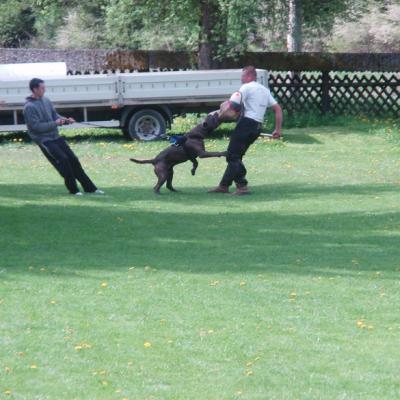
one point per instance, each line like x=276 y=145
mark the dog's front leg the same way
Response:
x=208 y=154
x=195 y=165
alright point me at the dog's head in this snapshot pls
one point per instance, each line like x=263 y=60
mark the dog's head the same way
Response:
x=210 y=122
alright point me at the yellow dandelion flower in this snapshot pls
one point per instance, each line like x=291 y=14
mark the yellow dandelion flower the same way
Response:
x=7 y=392
x=361 y=324
x=104 y=284
x=242 y=283
x=33 y=366
x=249 y=373
x=147 y=345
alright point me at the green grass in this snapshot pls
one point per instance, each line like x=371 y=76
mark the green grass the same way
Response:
x=290 y=293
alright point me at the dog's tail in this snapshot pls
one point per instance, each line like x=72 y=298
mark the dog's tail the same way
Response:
x=142 y=161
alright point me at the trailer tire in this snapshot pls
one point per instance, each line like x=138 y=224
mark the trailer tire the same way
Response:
x=145 y=125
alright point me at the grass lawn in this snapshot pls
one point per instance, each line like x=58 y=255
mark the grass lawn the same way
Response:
x=290 y=293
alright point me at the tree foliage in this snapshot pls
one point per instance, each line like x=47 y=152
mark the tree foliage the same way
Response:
x=214 y=28
x=16 y=23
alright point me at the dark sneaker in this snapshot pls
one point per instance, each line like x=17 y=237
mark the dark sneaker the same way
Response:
x=241 y=191
x=219 y=189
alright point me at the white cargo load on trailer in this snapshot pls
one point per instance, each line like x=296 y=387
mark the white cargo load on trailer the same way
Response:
x=117 y=100
x=28 y=70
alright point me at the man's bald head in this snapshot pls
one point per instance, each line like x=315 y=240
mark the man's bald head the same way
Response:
x=249 y=74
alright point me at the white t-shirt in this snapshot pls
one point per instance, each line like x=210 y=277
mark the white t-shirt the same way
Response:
x=256 y=99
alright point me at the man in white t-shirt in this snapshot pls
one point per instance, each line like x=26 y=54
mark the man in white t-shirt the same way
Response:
x=256 y=98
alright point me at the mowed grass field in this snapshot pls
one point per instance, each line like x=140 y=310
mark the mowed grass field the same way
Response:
x=290 y=293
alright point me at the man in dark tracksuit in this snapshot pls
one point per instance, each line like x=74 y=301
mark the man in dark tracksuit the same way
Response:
x=43 y=121
x=256 y=98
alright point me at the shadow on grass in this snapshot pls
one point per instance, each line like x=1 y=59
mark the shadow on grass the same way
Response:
x=300 y=138
x=111 y=135
x=113 y=232
x=90 y=136
x=196 y=195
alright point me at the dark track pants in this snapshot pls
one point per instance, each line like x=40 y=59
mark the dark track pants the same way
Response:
x=67 y=164
x=245 y=133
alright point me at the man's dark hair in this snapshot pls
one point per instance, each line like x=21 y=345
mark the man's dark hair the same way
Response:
x=251 y=70
x=35 y=83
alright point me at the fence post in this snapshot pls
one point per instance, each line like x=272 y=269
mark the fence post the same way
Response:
x=325 y=99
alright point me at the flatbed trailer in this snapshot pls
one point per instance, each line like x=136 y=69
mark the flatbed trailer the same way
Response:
x=141 y=104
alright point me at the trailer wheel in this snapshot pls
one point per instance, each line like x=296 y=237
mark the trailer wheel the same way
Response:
x=146 y=125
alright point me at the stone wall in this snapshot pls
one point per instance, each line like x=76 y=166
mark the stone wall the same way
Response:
x=76 y=60
x=102 y=60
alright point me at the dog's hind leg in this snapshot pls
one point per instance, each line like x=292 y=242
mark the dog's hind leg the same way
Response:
x=195 y=165
x=162 y=174
x=169 y=180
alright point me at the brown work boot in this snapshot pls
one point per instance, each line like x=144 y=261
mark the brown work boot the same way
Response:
x=241 y=190
x=219 y=189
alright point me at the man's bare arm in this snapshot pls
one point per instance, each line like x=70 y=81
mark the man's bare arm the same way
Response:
x=278 y=121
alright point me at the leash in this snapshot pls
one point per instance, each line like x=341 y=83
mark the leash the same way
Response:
x=92 y=124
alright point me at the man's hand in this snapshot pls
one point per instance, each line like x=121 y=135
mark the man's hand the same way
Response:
x=60 y=121
x=276 y=134
x=64 y=121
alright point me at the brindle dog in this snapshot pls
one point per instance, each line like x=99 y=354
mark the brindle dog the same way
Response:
x=192 y=147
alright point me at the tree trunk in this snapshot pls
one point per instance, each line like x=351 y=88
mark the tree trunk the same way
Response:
x=209 y=14
x=295 y=21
